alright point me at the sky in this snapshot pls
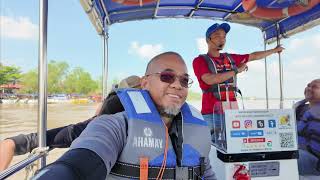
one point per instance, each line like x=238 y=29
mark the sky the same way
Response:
x=72 y=38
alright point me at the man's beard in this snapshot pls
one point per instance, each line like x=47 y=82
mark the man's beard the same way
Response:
x=169 y=112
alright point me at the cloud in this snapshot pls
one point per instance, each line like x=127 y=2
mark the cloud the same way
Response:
x=256 y=66
x=307 y=61
x=5 y=62
x=202 y=45
x=231 y=51
x=295 y=44
x=11 y=62
x=18 y=28
x=301 y=43
x=145 y=51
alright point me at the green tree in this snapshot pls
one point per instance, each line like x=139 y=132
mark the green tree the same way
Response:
x=79 y=81
x=98 y=89
x=29 y=82
x=56 y=75
x=9 y=74
x=57 y=71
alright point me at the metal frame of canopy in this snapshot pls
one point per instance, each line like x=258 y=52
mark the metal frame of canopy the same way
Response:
x=102 y=28
x=107 y=12
x=101 y=18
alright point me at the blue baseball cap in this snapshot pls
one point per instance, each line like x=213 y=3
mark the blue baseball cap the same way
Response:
x=215 y=27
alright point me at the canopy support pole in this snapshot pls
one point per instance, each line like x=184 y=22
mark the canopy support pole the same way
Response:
x=42 y=77
x=280 y=68
x=105 y=38
x=266 y=70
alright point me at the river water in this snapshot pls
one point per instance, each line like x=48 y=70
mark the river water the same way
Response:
x=22 y=118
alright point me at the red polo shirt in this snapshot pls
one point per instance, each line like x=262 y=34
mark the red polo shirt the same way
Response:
x=200 y=68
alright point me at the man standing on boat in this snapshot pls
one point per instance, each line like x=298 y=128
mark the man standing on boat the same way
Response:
x=216 y=72
x=156 y=137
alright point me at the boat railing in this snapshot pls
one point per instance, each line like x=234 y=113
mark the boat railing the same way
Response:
x=34 y=155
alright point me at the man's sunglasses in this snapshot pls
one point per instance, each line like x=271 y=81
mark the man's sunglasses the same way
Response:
x=170 y=77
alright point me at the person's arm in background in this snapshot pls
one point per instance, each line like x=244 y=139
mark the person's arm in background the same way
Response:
x=262 y=54
x=56 y=138
x=61 y=137
x=98 y=146
x=111 y=105
x=67 y=135
x=6 y=153
x=21 y=144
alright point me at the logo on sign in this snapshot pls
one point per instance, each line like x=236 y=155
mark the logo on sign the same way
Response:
x=256 y=140
x=248 y=124
x=285 y=120
x=245 y=140
x=256 y=133
x=260 y=123
x=241 y=133
x=271 y=132
x=272 y=123
x=236 y=124
x=269 y=143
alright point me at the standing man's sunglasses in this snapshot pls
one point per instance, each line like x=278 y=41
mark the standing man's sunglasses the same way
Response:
x=170 y=77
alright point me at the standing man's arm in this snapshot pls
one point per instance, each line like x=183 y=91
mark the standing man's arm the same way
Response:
x=210 y=78
x=201 y=70
x=262 y=54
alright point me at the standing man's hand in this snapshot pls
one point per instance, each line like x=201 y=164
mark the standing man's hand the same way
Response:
x=262 y=54
x=7 y=148
x=278 y=49
x=242 y=67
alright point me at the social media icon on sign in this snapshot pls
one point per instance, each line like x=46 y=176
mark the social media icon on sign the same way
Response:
x=248 y=124
x=235 y=124
x=272 y=123
x=260 y=123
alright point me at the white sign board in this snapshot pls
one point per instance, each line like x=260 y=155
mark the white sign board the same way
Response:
x=270 y=130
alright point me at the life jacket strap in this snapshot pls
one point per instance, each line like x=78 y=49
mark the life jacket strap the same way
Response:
x=144 y=168
x=222 y=88
x=133 y=171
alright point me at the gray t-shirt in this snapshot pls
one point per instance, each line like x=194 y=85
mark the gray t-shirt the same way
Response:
x=107 y=136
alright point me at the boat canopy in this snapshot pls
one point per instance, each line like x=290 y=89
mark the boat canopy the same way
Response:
x=104 y=13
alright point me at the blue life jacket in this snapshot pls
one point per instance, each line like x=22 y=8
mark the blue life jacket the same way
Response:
x=309 y=128
x=229 y=65
x=147 y=138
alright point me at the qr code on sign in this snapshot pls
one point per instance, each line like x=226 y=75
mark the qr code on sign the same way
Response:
x=286 y=140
